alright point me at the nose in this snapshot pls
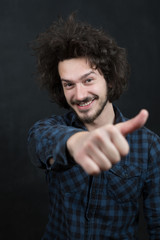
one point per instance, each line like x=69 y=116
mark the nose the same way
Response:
x=80 y=92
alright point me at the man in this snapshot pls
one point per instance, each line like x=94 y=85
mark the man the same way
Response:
x=98 y=163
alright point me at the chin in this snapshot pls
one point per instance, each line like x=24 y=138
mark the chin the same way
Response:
x=87 y=119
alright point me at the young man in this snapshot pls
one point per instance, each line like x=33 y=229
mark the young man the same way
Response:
x=98 y=163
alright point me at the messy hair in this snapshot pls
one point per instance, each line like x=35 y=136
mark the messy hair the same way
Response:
x=67 y=39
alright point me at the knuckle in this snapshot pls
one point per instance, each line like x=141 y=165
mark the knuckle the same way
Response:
x=99 y=136
x=111 y=129
x=94 y=172
x=88 y=147
x=90 y=169
x=117 y=156
x=125 y=150
x=97 y=133
x=116 y=159
x=106 y=165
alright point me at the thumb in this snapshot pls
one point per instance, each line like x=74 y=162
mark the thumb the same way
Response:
x=133 y=124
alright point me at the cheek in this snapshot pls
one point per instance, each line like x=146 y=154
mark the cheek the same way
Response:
x=67 y=95
x=104 y=89
x=100 y=90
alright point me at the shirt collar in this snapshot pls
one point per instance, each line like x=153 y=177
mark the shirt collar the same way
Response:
x=118 y=115
x=75 y=121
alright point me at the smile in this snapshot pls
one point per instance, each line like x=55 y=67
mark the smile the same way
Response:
x=86 y=104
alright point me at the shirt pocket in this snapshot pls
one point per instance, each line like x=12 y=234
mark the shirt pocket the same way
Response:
x=73 y=180
x=124 y=183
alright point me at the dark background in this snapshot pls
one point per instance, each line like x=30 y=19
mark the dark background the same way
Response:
x=134 y=24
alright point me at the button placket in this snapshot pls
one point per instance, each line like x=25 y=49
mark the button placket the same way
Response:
x=93 y=198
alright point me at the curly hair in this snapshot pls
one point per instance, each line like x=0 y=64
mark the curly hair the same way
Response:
x=66 y=39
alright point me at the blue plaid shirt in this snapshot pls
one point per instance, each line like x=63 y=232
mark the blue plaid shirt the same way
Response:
x=97 y=207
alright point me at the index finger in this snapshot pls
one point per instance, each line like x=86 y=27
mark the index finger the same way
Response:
x=133 y=124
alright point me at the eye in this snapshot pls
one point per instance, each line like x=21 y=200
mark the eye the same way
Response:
x=68 y=85
x=88 y=80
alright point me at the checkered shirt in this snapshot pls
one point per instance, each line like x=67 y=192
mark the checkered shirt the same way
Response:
x=97 y=207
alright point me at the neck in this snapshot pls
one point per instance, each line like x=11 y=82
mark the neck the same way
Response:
x=106 y=117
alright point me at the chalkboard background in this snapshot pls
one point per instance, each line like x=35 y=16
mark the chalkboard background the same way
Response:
x=134 y=24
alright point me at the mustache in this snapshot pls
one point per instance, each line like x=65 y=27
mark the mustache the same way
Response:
x=85 y=100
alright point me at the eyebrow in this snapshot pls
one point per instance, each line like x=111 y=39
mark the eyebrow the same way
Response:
x=81 y=78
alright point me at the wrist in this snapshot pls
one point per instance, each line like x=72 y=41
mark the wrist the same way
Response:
x=75 y=141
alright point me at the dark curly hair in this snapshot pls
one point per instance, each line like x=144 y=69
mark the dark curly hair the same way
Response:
x=73 y=39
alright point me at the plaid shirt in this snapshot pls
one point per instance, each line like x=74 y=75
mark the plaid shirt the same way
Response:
x=97 y=207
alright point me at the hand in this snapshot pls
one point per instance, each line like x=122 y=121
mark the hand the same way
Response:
x=97 y=150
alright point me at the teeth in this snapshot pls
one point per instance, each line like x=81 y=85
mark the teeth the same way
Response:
x=85 y=104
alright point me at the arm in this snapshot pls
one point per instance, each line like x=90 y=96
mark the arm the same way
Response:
x=50 y=141
x=99 y=149
x=47 y=141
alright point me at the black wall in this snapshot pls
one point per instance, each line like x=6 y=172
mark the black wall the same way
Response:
x=134 y=24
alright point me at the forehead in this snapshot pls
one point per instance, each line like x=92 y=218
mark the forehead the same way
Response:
x=74 y=68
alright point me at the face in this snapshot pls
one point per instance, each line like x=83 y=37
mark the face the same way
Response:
x=85 y=88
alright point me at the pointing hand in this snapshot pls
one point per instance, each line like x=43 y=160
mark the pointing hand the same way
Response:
x=97 y=150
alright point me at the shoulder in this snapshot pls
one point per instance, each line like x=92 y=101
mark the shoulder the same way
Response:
x=64 y=119
x=145 y=138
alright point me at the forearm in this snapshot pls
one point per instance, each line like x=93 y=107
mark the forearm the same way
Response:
x=47 y=140
x=75 y=142
x=71 y=143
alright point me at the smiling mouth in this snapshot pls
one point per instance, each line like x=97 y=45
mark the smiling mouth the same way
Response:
x=86 y=103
